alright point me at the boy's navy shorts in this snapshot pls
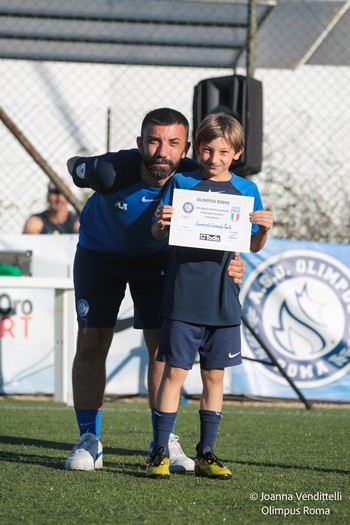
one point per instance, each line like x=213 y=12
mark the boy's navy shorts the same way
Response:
x=218 y=346
x=100 y=281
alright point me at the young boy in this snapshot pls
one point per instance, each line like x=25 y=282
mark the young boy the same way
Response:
x=201 y=309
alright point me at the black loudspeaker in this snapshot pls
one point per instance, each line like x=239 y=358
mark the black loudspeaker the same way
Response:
x=241 y=97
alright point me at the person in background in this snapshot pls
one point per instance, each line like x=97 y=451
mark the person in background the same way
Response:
x=116 y=248
x=57 y=219
x=200 y=309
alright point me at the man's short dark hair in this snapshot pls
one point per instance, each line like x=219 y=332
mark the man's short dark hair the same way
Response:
x=165 y=117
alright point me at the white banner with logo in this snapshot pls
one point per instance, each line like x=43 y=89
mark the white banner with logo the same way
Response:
x=295 y=295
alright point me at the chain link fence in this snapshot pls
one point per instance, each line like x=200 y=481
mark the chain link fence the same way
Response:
x=67 y=108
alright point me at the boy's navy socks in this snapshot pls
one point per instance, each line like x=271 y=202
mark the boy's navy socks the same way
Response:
x=153 y=411
x=164 y=424
x=89 y=421
x=209 y=425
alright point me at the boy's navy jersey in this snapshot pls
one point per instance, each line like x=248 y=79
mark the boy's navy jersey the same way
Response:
x=197 y=288
x=118 y=220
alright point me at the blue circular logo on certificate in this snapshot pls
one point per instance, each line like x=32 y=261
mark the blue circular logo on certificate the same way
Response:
x=188 y=207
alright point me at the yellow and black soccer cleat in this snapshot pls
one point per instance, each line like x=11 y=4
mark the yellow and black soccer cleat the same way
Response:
x=158 y=464
x=209 y=466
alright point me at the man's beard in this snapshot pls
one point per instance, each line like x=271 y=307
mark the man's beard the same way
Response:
x=160 y=172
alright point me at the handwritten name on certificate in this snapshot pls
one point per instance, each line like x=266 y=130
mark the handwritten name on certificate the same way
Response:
x=215 y=221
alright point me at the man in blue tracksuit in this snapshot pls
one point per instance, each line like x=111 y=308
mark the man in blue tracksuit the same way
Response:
x=116 y=248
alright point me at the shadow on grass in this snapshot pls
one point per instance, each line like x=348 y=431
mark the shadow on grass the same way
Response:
x=54 y=462
x=135 y=469
x=57 y=445
x=129 y=469
x=289 y=466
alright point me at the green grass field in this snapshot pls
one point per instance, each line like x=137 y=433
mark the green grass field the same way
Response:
x=280 y=454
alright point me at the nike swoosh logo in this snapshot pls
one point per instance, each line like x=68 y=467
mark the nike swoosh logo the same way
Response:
x=231 y=356
x=144 y=199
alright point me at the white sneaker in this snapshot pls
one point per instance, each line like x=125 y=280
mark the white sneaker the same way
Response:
x=86 y=454
x=179 y=462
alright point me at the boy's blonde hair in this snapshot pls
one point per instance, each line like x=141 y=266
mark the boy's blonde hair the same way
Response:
x=218 y=125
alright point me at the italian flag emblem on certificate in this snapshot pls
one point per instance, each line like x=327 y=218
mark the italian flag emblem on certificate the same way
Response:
x=235 y=213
